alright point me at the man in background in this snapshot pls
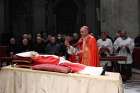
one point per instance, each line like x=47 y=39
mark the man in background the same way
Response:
x=88 y=48
x=124 y=46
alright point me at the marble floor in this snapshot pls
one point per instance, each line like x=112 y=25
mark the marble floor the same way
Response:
x=133 y=85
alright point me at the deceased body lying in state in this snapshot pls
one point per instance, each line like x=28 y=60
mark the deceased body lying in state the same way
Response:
x=55 y=63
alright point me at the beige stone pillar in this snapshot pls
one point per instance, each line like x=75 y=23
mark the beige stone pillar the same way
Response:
x=120 y=15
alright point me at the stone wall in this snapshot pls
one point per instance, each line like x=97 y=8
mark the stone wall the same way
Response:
x=1 y=19
x=120 y=15
x=115 y=15
x=90 y=15
x=1 y=15
x=39 y=15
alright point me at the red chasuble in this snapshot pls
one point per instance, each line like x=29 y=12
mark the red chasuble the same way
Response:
x=89 y=55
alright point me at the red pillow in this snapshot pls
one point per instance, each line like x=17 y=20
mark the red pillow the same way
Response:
x=72 y=58
x=52 y=67
x=75 y=67
x=45 y=60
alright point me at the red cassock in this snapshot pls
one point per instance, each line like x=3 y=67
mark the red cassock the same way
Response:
x=89 y=55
